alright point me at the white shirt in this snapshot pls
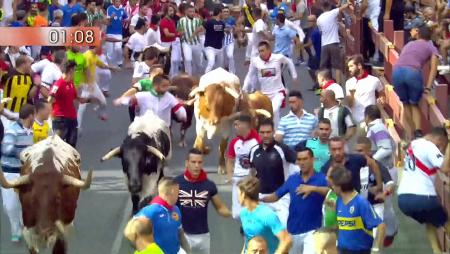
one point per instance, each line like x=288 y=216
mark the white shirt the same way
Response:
x=415 y=180
x=161 y=105
x=135 y=19
x=364 y=94
x=50 y=72
x=329 y=26
x=141 y=70
x=296 y=28
x=338 y=91
x=7 y=8
x=258 y=27
x=268 y=73
x=137 y=42
x=153 y=37
x=332 y=115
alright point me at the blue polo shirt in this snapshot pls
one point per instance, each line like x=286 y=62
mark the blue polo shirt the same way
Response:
x=305 y=214
x=283 y=40
x=68 y=12
x=117 y=15
x=354 y=163
x=166 y=225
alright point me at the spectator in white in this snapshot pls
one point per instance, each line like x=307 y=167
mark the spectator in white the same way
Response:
x=326 y=82
x=12 y=53
x=136 y=43
x=228 y=41
x=142 y=14
x=153 y=35
x=362 y=89
x=260 y=31
x=191 y=27
x=50 y=71
x=297 y=125
x=214 y=34
x=142 y=69
x=267 y=69
x=331 y=53
x=342 y=123
x=115 y=14
x=417 y=197
x=300 y=19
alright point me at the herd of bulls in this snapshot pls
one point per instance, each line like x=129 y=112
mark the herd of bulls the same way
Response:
x=50 y=180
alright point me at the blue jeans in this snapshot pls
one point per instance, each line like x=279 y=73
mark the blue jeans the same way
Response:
x=408 y=84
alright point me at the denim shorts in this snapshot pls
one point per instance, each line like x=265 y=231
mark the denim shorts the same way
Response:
x=423 y=209
x=408 y=84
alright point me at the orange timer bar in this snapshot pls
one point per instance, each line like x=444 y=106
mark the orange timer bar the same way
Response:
x=50 y=36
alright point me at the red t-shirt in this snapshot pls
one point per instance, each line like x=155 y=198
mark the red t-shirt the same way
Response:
x=170 y=25
x=65 y=94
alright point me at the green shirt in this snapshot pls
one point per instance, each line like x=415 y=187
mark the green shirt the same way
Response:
x=329 y=213
x=151 y=249
x=79 y=76
x=321 y=152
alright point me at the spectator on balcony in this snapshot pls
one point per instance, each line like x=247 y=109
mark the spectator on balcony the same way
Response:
x=408 y=82
x=414 y=21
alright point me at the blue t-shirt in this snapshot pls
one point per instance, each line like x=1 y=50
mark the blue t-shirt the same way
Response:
x=51 y=9
x=305 y=214
x=68 y=12
x=16 y=24
x=117 y=15
x=166 y=225
x=264 y=222
x=283 y=40
x=230 y=22
x=354 y=163
x=355 y=222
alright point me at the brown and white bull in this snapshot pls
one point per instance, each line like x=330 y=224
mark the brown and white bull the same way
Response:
x=49 y=187
x=218 y=100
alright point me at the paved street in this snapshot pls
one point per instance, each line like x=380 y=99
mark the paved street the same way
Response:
x=105 y=207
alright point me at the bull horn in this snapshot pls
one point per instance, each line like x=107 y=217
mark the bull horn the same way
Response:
x=60 y=227
x=263 y=112
x=156 y=152
x=190 y=102
x=72 y=181
x=231 y=92
x=110 y=154
x=21 y=180
x=195 y=91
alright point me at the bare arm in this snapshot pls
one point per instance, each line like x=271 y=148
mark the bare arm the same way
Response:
x=271 y=198
x=285 y=243
x=183 y=241
x=221 y=208
x=446 y=164
x=387 y=11
x=350 y=133
x=433 y=70
x=230 y=168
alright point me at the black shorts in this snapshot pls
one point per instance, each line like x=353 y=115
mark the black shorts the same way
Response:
x=423 y=209
x=331 y=57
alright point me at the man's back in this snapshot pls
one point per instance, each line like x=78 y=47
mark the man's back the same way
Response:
x=328 y=25
x=16 y=86
x=16 y=139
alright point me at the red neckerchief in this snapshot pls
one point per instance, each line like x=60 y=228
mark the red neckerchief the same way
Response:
x=266 y=60
x=363 y=76
x=201 y=177
x=154 y=27
x=158 y=200
x=253 y=134
x=329 y=83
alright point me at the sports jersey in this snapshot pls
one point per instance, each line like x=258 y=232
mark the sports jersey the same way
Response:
x=79 y=76
x=141 y=70
x=166 y=225
x=355 y=223
x=262 y=221
x=422 y=161
x=230 y=23
x=16 y=86
x=321 y=151
x=68 y=12
x=305 y=213
x=92 y=61
x=161 y=105
x=153 y=248
x=116 y=15
x=188 y=26
x=64 y=93
x=41 y=131
x=239 y=150
x=268 y=73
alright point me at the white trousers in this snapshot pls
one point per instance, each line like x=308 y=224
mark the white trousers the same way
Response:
x=103 y=76
x=90 y=91
x=229 y=52
x=277 y=99
x=192 y=57
x=213 y=54
x=248 y=49
x=303 y=243
x=175 y=56
x=281 y=207
x=390 y=219
x=12 y=207
x=235 y=205
x=114 y=52
x=199 y=243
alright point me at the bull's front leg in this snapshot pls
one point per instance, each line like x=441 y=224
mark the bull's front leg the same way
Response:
x=200 y=142
x=135 y=202
x=222 y=148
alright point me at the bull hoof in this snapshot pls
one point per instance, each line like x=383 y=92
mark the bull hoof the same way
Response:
x=182 y=144
x=221 y=170
x=206 y=150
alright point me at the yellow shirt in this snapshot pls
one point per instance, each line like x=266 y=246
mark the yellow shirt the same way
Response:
x=151 y=249
x=40 y=131
x=92 y=61
x=16 y=87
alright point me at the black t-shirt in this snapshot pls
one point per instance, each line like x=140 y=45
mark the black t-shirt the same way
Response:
x=385 y=177
x=271 y=165
x=354 y=163
x=214 y=33
x=193 y=202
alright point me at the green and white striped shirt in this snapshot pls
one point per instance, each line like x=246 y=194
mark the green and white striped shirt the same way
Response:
x=188 y=26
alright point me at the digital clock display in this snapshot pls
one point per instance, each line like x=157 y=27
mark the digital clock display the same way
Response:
x=50 y=36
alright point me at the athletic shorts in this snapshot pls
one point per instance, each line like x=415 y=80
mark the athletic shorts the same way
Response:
x=408 y=84
x=331 y=57
x=423 y=209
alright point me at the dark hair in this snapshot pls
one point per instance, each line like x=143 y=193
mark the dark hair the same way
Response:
x=40 y=104
x=194 y=151
x=26 y=110
x=281 y=17
x=83 y=16
x=337 y=139
x=217 y=10
x=166 y=9
x=257 y=12
x=356 y=59
x=75 y=20
x=150 y=53
x=296 y=93
x=363 y=140
x=155 y=19
x=325 y=121
x=326 y=5
x=243 y=118
x=69 y=66
x=250 y=186
x=342 y=177
x=264 y=44
x=139 y=24
x=266 y=122
x=373 y=112
x=159 y=78
x=325 y=73
x=59 y=56
x=300 y=149
x=425 y=32
x=439 y=132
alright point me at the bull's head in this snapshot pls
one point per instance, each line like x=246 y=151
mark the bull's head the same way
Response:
x=136 y=157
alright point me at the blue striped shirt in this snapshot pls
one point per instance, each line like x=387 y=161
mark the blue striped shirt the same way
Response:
x=229 y=23
x=294 y=129
x=16 y=139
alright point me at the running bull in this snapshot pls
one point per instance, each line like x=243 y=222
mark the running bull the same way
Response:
x=49 y=187
x=143 y=154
